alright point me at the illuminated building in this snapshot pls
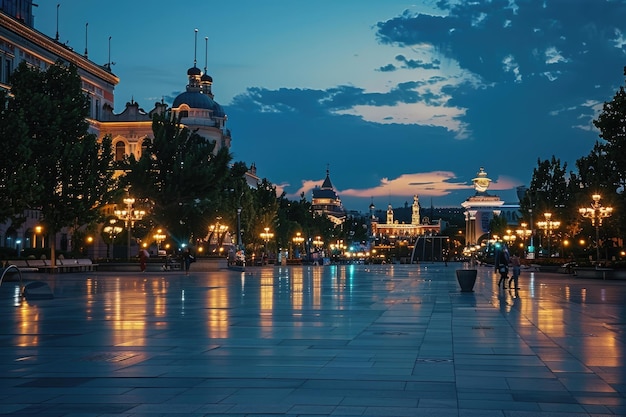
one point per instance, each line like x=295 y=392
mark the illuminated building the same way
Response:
x=482 y=207
x=325 y=201
x=21 y=42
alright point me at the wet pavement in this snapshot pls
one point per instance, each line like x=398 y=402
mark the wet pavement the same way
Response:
x=349 y=340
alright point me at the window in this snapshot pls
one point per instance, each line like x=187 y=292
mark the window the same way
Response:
x=120 y=151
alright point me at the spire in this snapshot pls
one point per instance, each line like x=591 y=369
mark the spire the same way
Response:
x=327 y=184
x=206 y=80
x=193 y=74
x=86 y=27
x=195 y=47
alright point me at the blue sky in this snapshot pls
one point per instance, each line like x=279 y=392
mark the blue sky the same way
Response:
x=396 y=98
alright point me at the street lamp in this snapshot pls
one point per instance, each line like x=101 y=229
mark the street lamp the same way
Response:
x=549 y=225
x=523 y=232
x=239 y=240
x=297 y=240
x=159 y=237
x=509 y=238
x=113 y=231
x=596 y=213
x=216 y=235
x=130 y=216
x=38 y=230
x=266 y=236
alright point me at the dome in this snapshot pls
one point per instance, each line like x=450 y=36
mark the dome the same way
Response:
x=194 y=71
x=206 y=78
x=197 y=100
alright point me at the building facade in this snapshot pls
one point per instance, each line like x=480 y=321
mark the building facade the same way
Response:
x=325 y=201
x=196 y=106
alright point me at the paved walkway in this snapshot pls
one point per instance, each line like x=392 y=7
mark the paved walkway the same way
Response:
x=384 y=340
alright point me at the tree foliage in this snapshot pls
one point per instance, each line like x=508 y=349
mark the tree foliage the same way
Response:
x=69 y=169
x=180 y=177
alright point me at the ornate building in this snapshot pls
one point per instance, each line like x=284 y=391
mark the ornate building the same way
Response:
x=482 y=207
x=392 y=229
x=325 y=201
x=198 y=110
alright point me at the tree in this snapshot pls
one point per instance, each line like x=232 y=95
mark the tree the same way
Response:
x=549 y=186
x=612 y=125
x=71 y=170
x=180 y=177
x=17 y=174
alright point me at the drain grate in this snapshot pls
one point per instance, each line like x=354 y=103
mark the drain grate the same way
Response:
x=482 y=328
x=434 y=360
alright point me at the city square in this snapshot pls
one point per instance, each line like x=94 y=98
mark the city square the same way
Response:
x=338 y=340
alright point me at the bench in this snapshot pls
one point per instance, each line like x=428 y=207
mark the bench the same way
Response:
x=22 y=265
x=61 y=265
x=85 y=264
x=42 y=265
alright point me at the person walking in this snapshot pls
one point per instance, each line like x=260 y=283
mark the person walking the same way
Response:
x=188 y=258
x=502 y=265
x=516 y=265
x=143 y=257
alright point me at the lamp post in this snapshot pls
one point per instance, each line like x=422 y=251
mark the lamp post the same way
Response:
x=130 y=216
x=509 y=238
x=113 y=231
x=216 y=235
x=38 y=230
x=549 y=225
x=297 y=240
x=239 y=240
x=159 y=237
x=266 y=235
x=523 y=233
x=597 y=212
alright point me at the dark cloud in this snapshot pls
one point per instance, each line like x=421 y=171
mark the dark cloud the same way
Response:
x=481 y=35
x=387 y=68
x=413 y=64
x=328 y=101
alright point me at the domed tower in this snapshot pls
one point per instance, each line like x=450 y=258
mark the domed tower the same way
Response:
x=198 y=111
x=206 y=81
x=326 y=201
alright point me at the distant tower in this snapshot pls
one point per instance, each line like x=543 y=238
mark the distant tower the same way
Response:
x=389 y=214
x=325 y=201
x=481 y=182
x=415 y=215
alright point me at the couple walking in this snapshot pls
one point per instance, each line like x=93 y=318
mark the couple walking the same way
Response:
x=502 y=262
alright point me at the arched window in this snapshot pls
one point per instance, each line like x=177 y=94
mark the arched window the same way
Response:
x=120 y=151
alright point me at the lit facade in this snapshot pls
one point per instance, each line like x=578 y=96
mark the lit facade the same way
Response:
x=482 y=207
x=392 y=229
x=325 y=201
x=196 y=107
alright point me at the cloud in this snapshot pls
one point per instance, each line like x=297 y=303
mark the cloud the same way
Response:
x=481 y=35
x=436 y=183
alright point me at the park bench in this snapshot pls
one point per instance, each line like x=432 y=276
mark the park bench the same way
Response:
x=42 y=265
x=22 y=265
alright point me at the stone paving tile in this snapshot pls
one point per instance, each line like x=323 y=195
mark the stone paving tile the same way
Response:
x=393 y=340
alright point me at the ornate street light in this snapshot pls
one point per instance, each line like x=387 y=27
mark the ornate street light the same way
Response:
x=549 y=225
x=523 y=232
x=266 y=236
x=159 y=237
x=597 y=212
x=216 y=235
x=297 y=240
x=509 y=238
x=129 y=216
x=113 y=231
